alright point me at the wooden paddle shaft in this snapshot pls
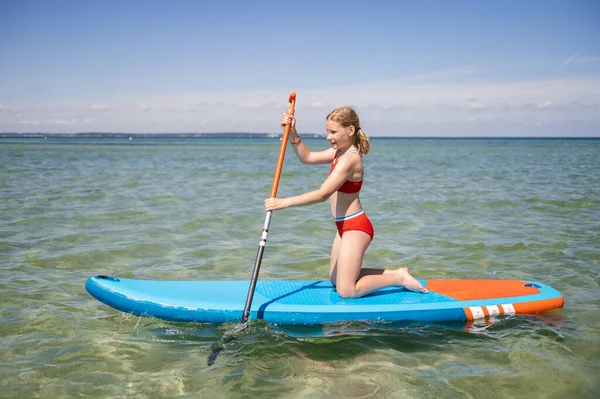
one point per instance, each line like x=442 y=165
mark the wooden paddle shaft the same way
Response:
x=263 y=238
x=286 y=132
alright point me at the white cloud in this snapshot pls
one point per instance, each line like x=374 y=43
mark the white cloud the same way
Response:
x=442 y=99
x=545 y=104
x=568 y=61
x=65 y=121
x=475 y=104
x=57 y=121
x=577 y=59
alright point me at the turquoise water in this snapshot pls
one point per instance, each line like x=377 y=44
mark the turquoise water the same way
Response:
x=192 y=209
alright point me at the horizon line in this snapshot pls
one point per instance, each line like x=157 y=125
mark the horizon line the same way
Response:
x=250 y=135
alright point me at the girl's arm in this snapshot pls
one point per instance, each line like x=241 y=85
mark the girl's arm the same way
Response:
x=305 y=155
x=340 y=174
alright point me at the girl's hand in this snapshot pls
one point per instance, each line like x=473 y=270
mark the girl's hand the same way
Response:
x=288 y=120
x=272 y=204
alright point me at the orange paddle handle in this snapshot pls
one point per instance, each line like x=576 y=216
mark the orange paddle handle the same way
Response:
x=286 y=132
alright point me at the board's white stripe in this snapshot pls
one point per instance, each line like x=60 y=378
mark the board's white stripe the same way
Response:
x=493 y=310
x=509 y=309
x=477 y=312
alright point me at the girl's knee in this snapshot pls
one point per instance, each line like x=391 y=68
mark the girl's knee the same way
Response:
x=346 y=292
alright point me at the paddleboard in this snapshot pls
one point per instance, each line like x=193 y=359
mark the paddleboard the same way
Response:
x=305 y=302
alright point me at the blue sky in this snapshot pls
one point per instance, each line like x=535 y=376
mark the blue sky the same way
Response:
x=411 y=68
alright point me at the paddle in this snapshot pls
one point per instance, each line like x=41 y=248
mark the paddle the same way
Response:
x=263 y=240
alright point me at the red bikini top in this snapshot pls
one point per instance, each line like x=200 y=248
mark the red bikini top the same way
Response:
x=349 y=187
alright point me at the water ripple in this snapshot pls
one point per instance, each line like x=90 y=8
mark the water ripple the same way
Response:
x=525 y=209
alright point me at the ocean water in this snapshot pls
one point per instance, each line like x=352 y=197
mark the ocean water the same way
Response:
x=192 y=209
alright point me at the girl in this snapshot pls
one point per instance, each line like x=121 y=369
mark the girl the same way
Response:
x=354 y=229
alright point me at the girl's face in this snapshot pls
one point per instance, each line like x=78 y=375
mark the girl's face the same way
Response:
x=340 y=137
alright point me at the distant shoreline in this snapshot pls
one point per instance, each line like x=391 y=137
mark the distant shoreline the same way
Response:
x=249 y=135
x=138 y=135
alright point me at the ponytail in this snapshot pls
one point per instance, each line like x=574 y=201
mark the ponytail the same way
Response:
x=347 y=116
x=362 y=142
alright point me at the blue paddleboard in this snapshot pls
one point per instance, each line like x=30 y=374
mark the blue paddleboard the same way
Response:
x=294 y=302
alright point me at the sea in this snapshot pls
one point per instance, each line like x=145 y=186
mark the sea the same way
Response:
x=192 y=209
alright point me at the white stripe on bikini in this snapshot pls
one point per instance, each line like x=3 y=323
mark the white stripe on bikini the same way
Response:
x=343 y=218
x=347 y=152
x=344 y=154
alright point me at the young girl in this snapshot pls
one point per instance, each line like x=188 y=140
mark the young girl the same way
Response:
x=354 y=229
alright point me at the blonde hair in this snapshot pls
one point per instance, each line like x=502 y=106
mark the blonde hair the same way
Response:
x=346 y=117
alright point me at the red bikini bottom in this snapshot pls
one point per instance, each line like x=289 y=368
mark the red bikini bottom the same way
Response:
x=357 y=221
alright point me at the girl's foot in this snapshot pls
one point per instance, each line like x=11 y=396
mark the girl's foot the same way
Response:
x=409 y=282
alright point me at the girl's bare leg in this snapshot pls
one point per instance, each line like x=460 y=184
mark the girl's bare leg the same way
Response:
x=408 y=281
x=335 y=250
x=351 y=280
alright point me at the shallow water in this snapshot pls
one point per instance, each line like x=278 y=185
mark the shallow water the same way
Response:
x=192 y=209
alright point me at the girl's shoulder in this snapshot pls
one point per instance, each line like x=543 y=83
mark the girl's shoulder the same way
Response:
x=351 y=153
x=350 y=159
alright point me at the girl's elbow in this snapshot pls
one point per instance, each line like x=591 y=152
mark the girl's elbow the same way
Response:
x=323 y=196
